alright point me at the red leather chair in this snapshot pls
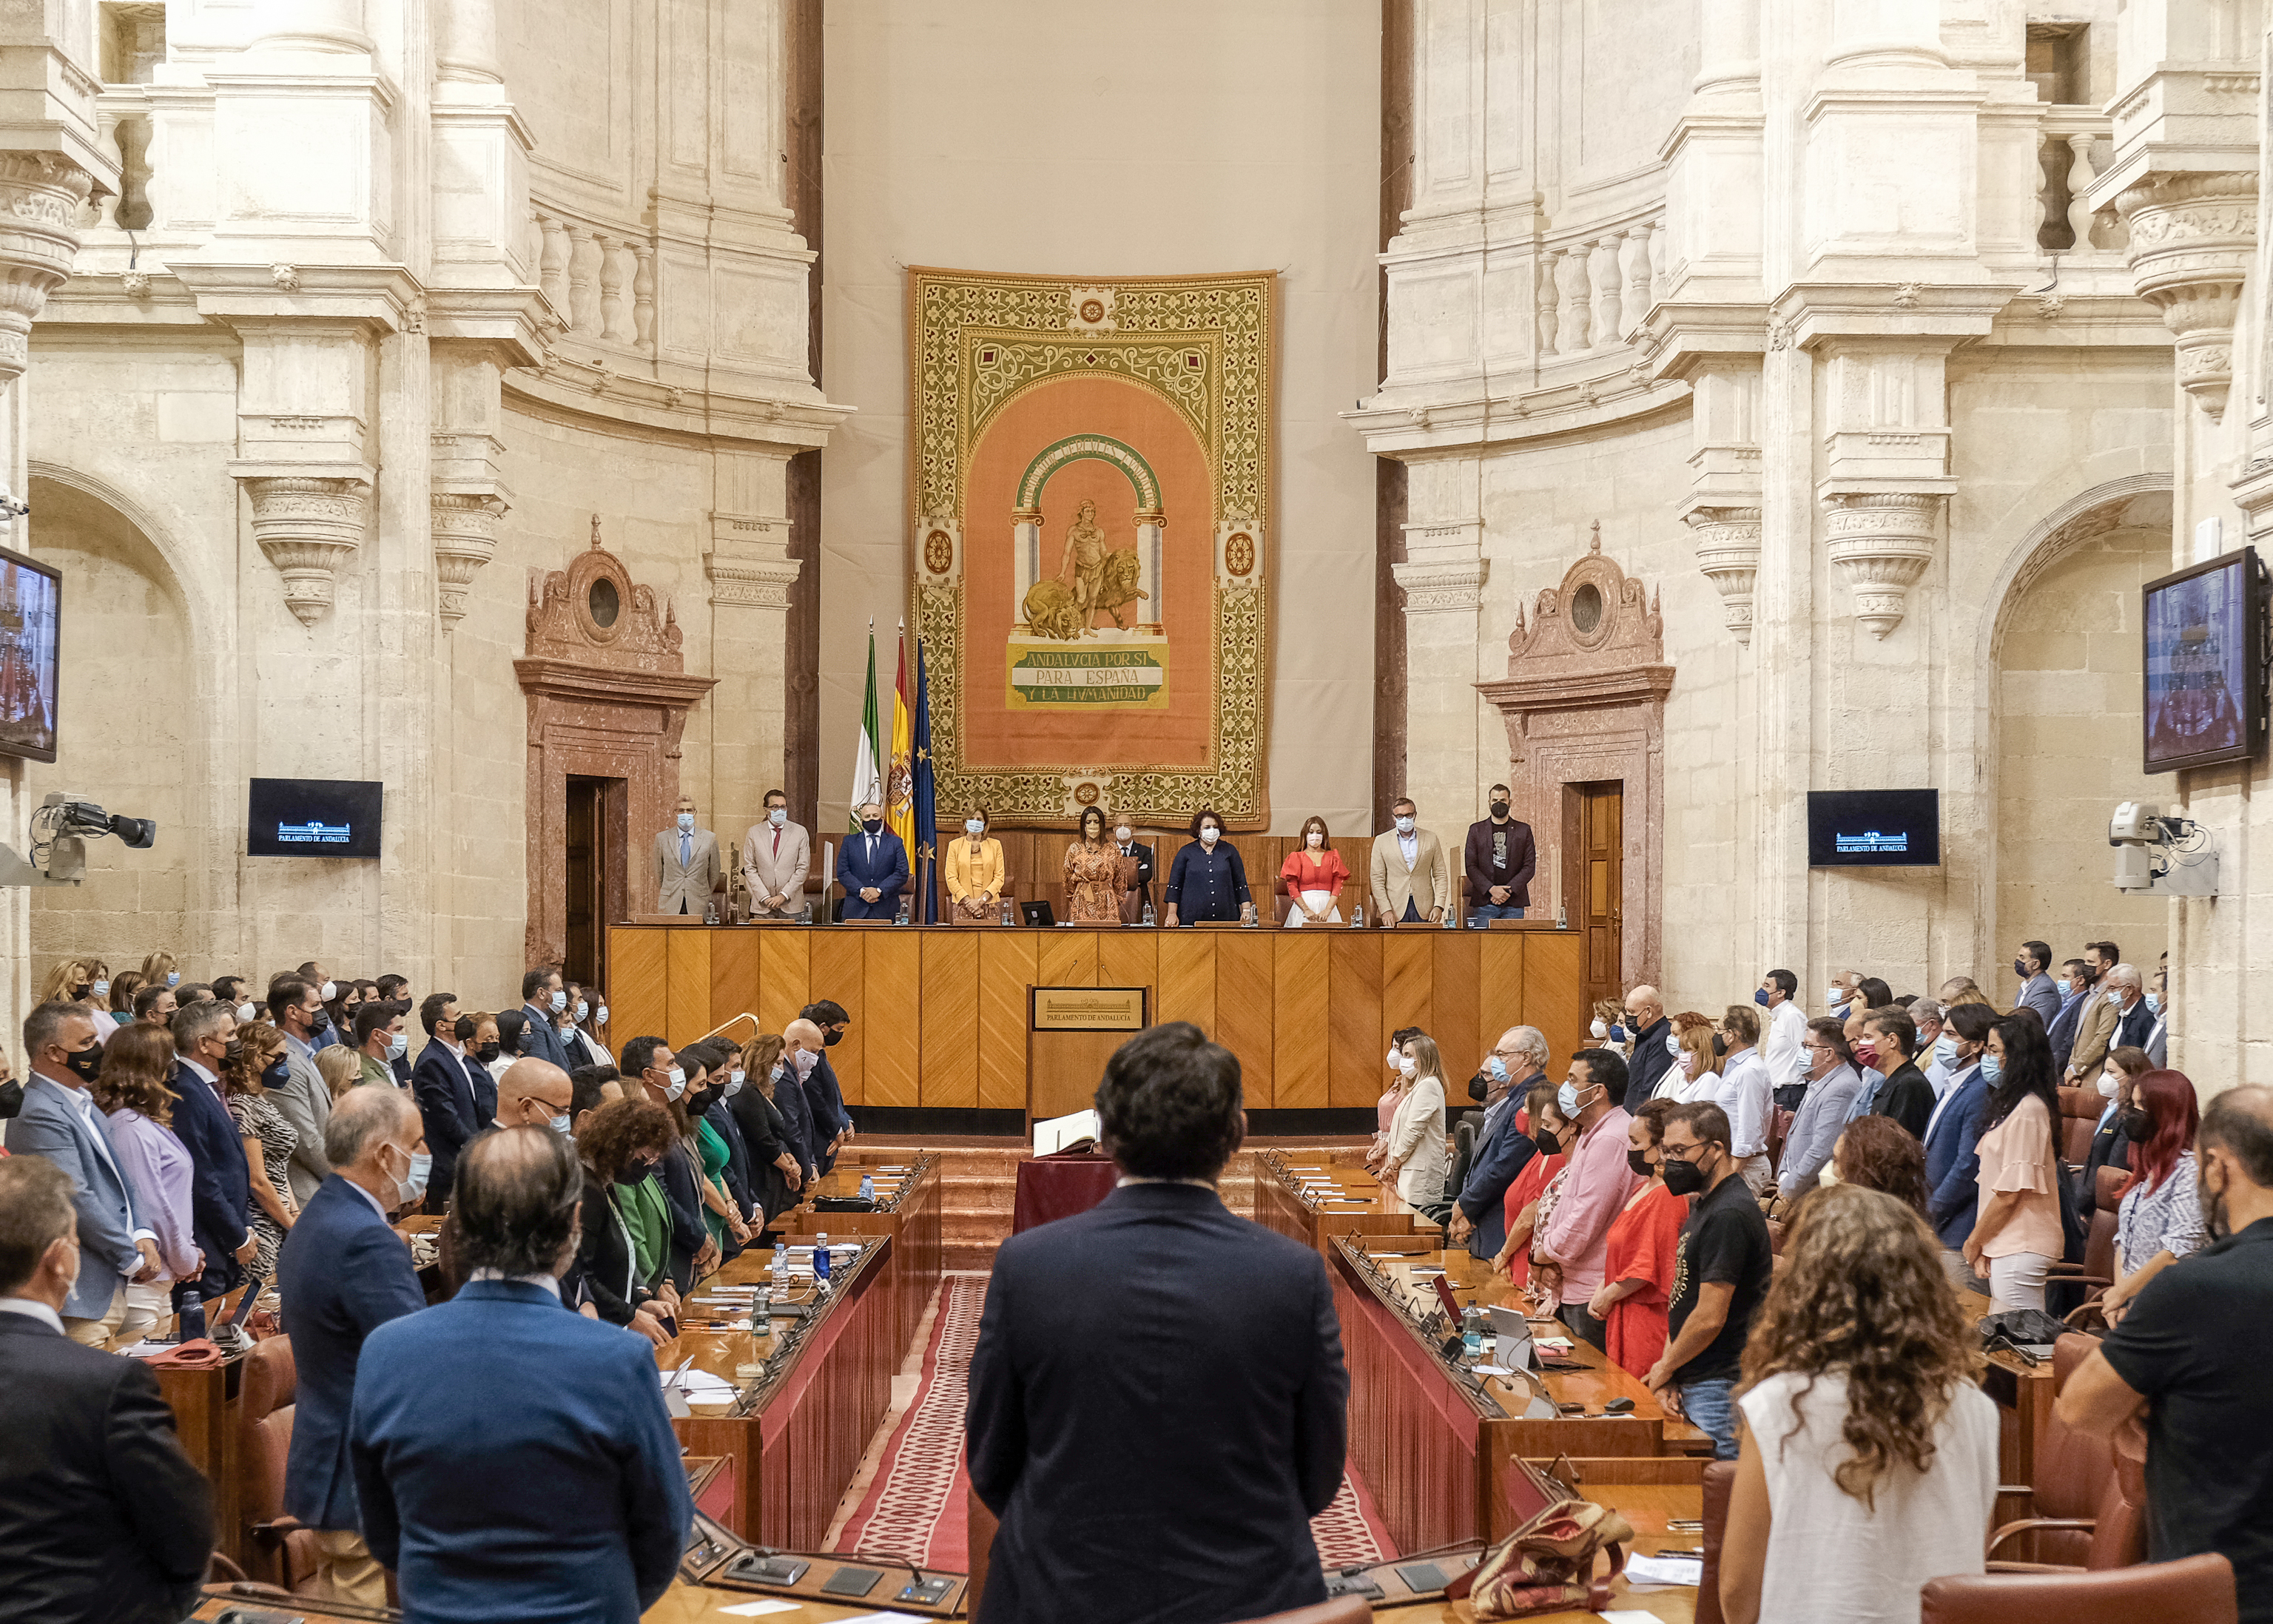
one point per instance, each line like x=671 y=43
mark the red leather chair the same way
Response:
x=2197 y=1590
x=2080 y=1110
x=2088 y=1503
x=283 y=1550
x=1720 y=1479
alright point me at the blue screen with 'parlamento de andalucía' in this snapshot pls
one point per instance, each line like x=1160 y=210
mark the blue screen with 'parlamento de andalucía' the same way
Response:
x=313 y=818
x=1873 y=828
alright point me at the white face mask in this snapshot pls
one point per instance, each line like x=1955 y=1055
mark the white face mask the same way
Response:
x=733 y=1085
x=581 y=1008
x=1836 y=996
x=675 y=1084
x=2116 y=998
x=1315 y=840
x=2107 y=1085
x=1404 y=826
x=1673 y=1046
x=1209 y=834
x=328 y=991
x=972 y=826
x=600 y=1016
x=1600 y=1030
x=687 y=823
x=1407 y=1064
x=1828 y=1176
x=1124 y=835
x=1396 y=1060
x=244 y=1013
x=560 y=1123
x=777 y=815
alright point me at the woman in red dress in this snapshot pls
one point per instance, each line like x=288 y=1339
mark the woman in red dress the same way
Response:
x=1638 y=1275
x=1547 y=1128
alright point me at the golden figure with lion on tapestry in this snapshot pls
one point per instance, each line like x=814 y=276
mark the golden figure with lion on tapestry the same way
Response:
x=1092 y=580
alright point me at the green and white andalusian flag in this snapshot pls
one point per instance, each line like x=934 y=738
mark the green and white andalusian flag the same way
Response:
x=867 y=748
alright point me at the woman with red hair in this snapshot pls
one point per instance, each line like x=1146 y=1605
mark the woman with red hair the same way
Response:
x=2159 y=1220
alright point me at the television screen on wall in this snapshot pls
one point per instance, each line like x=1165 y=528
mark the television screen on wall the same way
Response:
x=2205 y=663
x=313 y=818
x=31 y=612
x=1873 y=828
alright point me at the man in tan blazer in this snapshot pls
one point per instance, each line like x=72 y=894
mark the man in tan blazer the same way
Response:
x=687 y=866
x=2095 y=1025
x=776 y=855
x=1409 y=862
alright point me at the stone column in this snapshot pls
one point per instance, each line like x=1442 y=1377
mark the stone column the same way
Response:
x=465 y=42
x=751 y=574
x=1446 y=648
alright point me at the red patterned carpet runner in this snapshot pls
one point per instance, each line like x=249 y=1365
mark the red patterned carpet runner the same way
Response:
x=916 y=1509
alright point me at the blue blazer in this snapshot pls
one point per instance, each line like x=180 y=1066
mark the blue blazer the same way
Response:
x=449 y=1106
x=516 y=1462
x=221 y=1182
x=797 y=1116
x=343 y=1274
x=538 y=1038
x=1483 y=1198
x=824 y=1099
x=887 y=871
x=1953 y=1159
x=108 y=1206
x=1157 y=1410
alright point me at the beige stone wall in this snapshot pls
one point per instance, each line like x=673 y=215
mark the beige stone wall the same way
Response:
x=1178 y=136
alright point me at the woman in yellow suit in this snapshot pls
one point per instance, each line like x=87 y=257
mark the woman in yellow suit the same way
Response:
x=974 y=869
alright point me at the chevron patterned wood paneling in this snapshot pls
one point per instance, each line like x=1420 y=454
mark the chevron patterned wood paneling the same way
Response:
x=1007 y=961
x=1301 y=1034
x=950 y=1018
x=1354 y=1074
x=1243 y=1014
x=835 y=971
x=892 y=981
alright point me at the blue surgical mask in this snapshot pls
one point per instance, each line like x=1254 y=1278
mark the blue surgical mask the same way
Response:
x=1566 y=1101
x=1945 y=1049
x=560 y=1124
x=582 y=1009
x=2155 y=1002
x=100 y=989
x=1991 y=1069
x=777 y=816
x=687 y=823
x=173 y=978
x=972 y=826
x=398 y=1045
x=1761 y=997
x=733 y=1085
x=1496 y=1068
x=559 y=1000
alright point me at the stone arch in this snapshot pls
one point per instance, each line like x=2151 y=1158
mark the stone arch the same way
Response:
x=2058 y=672
x=138 y=714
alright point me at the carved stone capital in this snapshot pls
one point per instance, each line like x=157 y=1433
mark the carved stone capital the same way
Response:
x=2193 y=237
x=1728 y=554
x=1882 y=542
x=40 y=197
x=751 y=583
x=1434 y=589
x=465 y=525
x=309 y=526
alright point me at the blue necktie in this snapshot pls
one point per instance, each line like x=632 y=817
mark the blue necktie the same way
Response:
x=686 y=850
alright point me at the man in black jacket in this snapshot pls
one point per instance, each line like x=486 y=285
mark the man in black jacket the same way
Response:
x=1905 y=1095
x=1653 y=1045
x=1157 y=1397
x=103 y=1517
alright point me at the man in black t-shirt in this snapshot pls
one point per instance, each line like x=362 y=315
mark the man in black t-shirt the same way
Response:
x=2187 y=1360
x=1720 y=1271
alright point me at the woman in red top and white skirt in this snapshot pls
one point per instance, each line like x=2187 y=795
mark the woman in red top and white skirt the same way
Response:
x=1312 y=877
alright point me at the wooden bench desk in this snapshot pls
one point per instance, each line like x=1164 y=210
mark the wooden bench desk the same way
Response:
x=1312 y=1197
x=907 y=1211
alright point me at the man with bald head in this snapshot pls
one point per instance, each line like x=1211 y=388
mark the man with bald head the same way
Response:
x=1653 y=1048
x=343 y=1273
x=553 y=1399
x=802 y=1042
x=534 y=1093
x=2185 y=1361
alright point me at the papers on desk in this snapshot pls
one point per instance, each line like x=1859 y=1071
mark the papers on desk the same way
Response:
x=1643 y=1571
x=699 y=1387
x=1057 y=1133
x=1621 y=1615
x=759 y=1609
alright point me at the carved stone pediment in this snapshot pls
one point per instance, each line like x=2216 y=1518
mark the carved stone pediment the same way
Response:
x=595 y=614
x=1597 y=638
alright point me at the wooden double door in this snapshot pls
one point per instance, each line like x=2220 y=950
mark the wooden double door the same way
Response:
x=1595 y=813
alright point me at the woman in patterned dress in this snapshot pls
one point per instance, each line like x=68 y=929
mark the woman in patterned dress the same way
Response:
x=1092 y=874
x=255 y=1061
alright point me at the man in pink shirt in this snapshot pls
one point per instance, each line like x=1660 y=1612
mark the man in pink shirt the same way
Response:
x=1578 y=1236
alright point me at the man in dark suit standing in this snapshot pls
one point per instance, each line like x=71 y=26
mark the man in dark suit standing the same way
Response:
x=873 y=867
x=221 y=1181
x=1480 y=1210
x=541 y=998
x=443 y=1080
x=1499 y=861
x=1157 y=1398
x=549 y=1397
x=832 y=1124
x=342 y=1274
x=1133 y=901
x=103 y=1518
x=800 y=1056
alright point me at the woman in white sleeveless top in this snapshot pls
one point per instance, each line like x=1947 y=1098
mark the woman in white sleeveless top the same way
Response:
x=1869 y=1456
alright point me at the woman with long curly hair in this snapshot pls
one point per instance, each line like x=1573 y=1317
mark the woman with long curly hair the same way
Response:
x=1878 y=1153
x=621 y=1145
x=1868 y=1463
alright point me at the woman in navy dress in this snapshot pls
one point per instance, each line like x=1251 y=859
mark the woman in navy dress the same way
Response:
x=1208 y=880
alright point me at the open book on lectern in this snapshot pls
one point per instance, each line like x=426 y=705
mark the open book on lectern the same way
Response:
x=1077 y=1132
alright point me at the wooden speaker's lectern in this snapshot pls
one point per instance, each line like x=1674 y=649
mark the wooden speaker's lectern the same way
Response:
x=1070 y=1033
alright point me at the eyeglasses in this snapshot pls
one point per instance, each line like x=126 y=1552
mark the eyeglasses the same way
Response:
x=1680 y=1153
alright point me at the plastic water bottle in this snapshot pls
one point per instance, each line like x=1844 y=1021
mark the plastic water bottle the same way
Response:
x=867 y=1187
x=1452 y=918
x=1010 y=911
x=1472 y=1335
x=193 y=1315
x=1147 y=913
x=820 y=1257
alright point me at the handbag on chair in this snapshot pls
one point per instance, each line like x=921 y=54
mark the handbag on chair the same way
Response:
x=1547 y=1565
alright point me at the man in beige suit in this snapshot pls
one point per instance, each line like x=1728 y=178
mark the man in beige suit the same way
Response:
x=687 y=866
x=2096 y=1024
x=775 y=857
x=1407 y=863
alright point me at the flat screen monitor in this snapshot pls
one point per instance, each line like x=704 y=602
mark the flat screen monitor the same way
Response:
x=313 y=818
x=31 y=611
x=1873 y=828
x=2205 y=665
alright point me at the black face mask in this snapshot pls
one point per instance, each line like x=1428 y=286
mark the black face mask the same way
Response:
x=1549 y=1145
x=487 y=1053
x=11 y=1098
x=1478 y=1089
x=1683 y=1178
x=871 y=825
x=319 y=1023
x=1499 y=809
x=2137 y=1126
x=1640 y=1163
x=634 y=1173
x=233 y=1050
x=86 y=1064
x=831 y=1039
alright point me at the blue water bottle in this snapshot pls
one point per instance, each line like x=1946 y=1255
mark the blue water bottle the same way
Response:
x=1472 y=1335
x=193 y=1315
x=867 y=1187
x=821 y=1257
